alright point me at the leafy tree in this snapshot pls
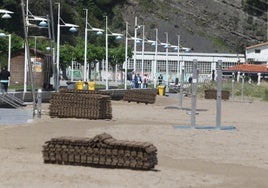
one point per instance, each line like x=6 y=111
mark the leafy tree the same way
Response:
x=66 y=56
x=16 y=43
x=117 y=57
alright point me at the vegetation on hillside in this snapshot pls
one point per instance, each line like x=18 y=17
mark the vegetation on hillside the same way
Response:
x=73 y=11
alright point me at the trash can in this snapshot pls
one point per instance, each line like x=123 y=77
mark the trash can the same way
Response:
x=71 y=85
x=161 y=90
x=92 y=86
x=80 y=85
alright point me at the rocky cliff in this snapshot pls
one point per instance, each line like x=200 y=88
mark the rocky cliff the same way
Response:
x=205 y=26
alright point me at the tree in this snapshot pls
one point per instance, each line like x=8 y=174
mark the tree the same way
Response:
x=16 y=43
x=117 y=57
x=67 y=55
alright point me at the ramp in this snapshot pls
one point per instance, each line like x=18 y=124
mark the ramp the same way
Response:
x=7 y=98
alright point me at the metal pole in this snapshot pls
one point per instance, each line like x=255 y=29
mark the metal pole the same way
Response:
x=178 y=66
x=155 y=62
x=243 y=83
x=126 y=52
x=9 y=52
x=72 y=73
x=58 y=50
x=142 y=60
x=26 y=13
x=167 y=75
x=219 y=94
x=194 y=93
x=39 y=103
x=135 y=42
x=28 y=56
x=233 y=81
x=85 y=53
x=181 y=88
x=106 y=47
x=52 y=45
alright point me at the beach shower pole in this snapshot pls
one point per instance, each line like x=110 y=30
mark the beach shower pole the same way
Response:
x=181 y=88
x=233 y=82
x=194 y=93
x=242 y=89
x=219 y=94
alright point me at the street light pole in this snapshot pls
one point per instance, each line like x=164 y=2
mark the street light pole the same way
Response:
x=85 y=55
x=155 y=62
x=167 y=46
x=73 y=28
x=9 y=52
x=126 y=55
x=58 y=51
x=135 y=42
x=106 y=51
x=142 y=60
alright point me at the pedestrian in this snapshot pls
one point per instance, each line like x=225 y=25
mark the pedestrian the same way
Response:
x=4 y=77
x=133 y=79
x=139 y=81
x=145 y=81
x=160 y=79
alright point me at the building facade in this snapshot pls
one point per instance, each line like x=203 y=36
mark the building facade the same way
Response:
x=257 y=54
x=170 y=65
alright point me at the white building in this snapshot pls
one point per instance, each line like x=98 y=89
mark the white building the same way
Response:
x=258 y=53
x=171 y=64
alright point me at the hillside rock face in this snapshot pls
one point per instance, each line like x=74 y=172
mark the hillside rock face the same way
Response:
x=205 y=26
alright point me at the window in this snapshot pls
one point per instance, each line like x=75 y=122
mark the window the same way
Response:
x=257 y=51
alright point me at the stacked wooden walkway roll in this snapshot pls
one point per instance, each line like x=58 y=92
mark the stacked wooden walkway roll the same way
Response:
x=71 y=103
x=140 y=96
x=101 y=151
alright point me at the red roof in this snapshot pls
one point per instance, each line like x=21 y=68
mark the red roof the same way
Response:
x=249 y=68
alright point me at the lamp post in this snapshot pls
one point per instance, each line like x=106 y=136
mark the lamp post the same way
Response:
x=155 y=60
x=99 y=32
x=27 y=62
x=107 y=34
x=106 y=53
x=142 y=60
x=126 y=55
x=73 y=28
x=135 y=42
x=85 y=53
x=6 y=13
x=167 y=46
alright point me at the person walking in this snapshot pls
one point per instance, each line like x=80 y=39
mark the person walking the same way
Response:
x=4 y=77
x=139 y=81
x=160 y=79
x=133 y=79
x=145 y=81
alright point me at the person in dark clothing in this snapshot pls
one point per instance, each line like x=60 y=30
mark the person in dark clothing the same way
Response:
x=4 y=77
x=160 y=79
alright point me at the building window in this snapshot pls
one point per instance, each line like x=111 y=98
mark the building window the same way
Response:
x=257 y=51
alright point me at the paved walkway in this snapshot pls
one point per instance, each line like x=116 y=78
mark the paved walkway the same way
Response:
x=10 y=116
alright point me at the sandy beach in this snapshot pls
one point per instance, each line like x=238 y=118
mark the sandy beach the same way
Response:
x=186 y=157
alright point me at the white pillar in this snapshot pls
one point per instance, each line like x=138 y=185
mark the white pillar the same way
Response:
x=238 y=76
x=259 y=78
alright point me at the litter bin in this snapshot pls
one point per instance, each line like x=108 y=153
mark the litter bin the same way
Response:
x=161 y=90
x=92 y=86
x=80 y=85
x=70 y=85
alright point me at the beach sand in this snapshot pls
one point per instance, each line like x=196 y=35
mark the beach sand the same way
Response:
x=186 y=157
